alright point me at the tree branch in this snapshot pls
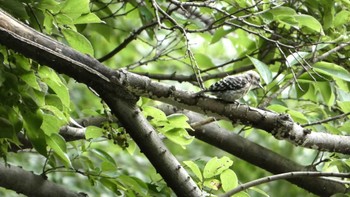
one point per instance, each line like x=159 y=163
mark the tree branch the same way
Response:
x=29 y=184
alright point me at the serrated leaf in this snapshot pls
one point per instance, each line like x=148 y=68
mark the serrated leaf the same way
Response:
x=263 y=69
x=229 y=180
x=93 y=132
x=333 y=70
x=216 y=166
x=78 y=41
x=195 y=169
x=58 y=145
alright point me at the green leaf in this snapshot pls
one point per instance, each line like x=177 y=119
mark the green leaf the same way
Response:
x=87 y=18
x=58 y=145
x=179 y=136
x=51 y=124
x=78 y=41
x=111 y=184
x=32 y=122
x=7 y=128
x=263 y=69
x=216 y=166
x=221 y=32
x=104 y=155
x=282 y=11
x=195 y=169
x=296 y=116
x=50 y=77
x=344 y=105
x=229 y=180
x=327 y=92
x=341 y=18
x=154 y=113
x=93 y=132
x=75 y=7
x=134 y=184
x=179 y=121
x=212 y=184
x=309 y=22
x=295 y=58
x=204 y=61
x=333 y=70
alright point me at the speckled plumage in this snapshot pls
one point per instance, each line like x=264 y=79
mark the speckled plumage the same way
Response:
x=234 y=87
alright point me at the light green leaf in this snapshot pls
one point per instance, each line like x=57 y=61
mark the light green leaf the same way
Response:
x=30 y=79
x=179 y=136
x=341 y=18
x=326 y=91
x=179 y=121
x=134 y=184
x=216 y=166
x=229 y=180
x=212 y=184
x=295 y=58
x=78 y=41
x=51 y=124
x=282 y=11
x=203 y=60
x=111 y=184
x=221 y=32
x=344 y=105
x=50 y=77
x=154 y=113
x=87 y=18
x=103 y=155
x=75 y=7
x=58 y=145
x=195 y=169
x=310 y=22
x=263 y=69
x=93 y=132
x=296 y=116
x=333 y=70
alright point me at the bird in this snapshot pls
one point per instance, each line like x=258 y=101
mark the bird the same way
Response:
x=233 y=87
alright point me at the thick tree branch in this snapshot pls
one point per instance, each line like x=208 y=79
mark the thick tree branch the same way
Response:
x=85 y=69
x=109 y=84
x=29 y=184
x=258 y=155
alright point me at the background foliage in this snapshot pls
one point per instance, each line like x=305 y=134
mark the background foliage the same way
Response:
x=300 y=49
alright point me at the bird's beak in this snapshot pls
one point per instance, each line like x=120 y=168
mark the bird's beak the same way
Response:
x=260 y=86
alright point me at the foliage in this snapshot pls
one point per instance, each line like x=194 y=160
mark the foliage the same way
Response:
x=300 y=49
